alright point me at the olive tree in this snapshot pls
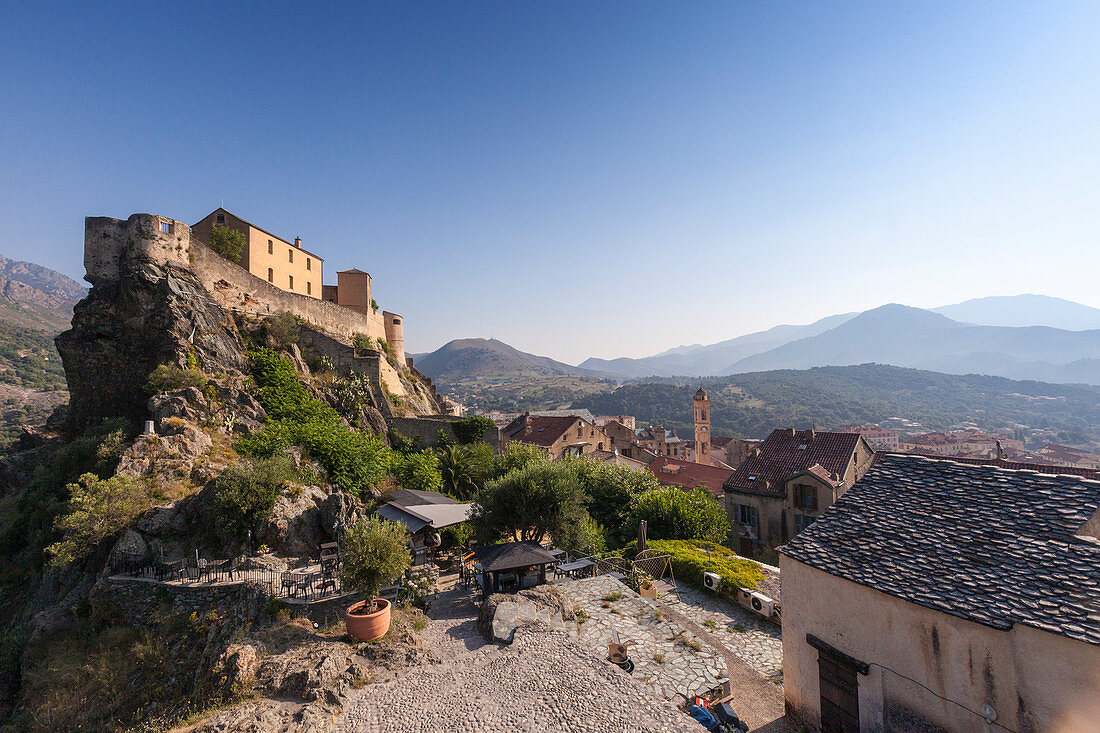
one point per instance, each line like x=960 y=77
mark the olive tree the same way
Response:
x=374 y=553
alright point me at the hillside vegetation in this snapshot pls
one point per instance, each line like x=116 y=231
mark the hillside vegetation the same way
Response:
x=753 y=404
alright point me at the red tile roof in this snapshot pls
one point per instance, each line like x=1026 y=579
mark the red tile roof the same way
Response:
x=674 y=472
x=786 y=453
x=541 y=431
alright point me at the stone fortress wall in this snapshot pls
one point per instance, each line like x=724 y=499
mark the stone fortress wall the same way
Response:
x=112 y=247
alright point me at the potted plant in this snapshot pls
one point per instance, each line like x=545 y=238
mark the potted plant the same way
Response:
x=646 y=589
x=373 y=553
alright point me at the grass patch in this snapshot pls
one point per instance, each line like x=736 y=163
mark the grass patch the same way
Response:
x=691 y=558
x=710 y=624
x=613 y=596
x=659 y=658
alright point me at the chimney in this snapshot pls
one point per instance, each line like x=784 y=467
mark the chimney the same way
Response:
x=298 y=242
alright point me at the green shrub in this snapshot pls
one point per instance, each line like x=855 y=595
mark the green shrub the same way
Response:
x=418 y=471
x=471 y=429
x=519 y=455
x=229 y=243
x=169 y=377
x=374 y=554
x=245 y=493
x=284 y=329
x=464 y=468
x=581 y=533
x=672 y=513
x=690 y=559
x=404 y=445
x=363 y=342
x=97 y=510
x=350 y=458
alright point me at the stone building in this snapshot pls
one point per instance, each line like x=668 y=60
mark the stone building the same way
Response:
x=268 y=256
x=665 y=442
x=880 y=438
x=559 y=436
x=791 y=478
x=731 y=451
x=942 y=596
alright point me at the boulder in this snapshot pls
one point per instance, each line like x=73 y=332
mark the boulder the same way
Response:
x=317 y=672
x=294 y=527
x=339 y=510
x=240 y=663
x=171 y=456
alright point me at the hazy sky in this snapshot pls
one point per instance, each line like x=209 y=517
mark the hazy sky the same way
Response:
x=579 y=179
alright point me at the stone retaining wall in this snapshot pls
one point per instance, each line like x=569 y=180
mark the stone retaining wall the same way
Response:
x=138 y=599
x=427 y=429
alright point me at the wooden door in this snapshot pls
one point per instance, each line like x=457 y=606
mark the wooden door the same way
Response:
x=839 y=694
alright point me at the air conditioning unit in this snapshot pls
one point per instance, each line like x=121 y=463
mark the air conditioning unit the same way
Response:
x=712 y=580
x=756 y=602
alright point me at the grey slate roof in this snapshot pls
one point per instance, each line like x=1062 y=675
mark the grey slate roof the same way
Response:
x=990 y=545
x=414 y=497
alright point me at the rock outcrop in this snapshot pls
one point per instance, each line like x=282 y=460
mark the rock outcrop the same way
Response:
x=152 y=314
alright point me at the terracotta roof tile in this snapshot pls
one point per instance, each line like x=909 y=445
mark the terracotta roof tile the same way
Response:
x=674 y=472
x=541 y=431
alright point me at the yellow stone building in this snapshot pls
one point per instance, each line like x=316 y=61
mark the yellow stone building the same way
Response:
x=269 y=257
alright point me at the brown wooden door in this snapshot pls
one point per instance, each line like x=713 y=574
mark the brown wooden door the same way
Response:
x=839 y=694
x=745 y=547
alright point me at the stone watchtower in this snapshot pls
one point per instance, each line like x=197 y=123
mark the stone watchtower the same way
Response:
x=702 y=427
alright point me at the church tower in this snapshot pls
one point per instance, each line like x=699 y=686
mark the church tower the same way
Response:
x=702 y=427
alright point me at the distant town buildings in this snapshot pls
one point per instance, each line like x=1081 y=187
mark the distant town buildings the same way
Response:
x=879 y=438
x=785 y=484
x=973 y=443
x=1062 y=455
x=940 y=596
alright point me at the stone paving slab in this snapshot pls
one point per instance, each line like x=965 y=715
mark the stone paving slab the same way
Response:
x=745 y=634
x=668 y=659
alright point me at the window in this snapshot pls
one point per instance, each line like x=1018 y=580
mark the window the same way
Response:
x=270 y=247
x=746 y=515
x=309 y=264
x=165 y=227
x=291 y=282
x=290 y=254
x=309 y=288
x=801 y=522
x=221 y=219
x=270 y=275
x=805 y=497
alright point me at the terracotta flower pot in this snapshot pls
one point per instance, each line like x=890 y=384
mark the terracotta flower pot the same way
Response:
x=368 y=626
x=649 y=591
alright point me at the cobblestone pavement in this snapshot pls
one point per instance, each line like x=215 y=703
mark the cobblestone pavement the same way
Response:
x=544 y=681
x=759 y=642
x=452 y=631
x=668 y=659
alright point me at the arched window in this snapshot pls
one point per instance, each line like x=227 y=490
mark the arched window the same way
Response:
x=270 y=275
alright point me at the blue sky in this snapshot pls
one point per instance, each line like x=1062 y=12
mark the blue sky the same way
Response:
x=579 y=179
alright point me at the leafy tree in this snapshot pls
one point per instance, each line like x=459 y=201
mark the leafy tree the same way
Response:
x=284 y=329
x=539 y=499
x=611 y=491
x=418 y=471
x=581 y=533
x=471 y=429
x=374 y=553
x=98 y=509
x=245 y=493
x=229 y=243
x=672 y=513
x=519 y=455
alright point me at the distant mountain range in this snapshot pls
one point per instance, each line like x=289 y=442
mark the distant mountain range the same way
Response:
x=32 y=296
x=1019 y=337
x=464 y=360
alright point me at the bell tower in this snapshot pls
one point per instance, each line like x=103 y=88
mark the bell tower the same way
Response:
x=702 y=427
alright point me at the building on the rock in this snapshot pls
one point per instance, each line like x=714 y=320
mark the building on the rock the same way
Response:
x=943 y=596
x=268 y=256
x=288 y=267
x=788 y=481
